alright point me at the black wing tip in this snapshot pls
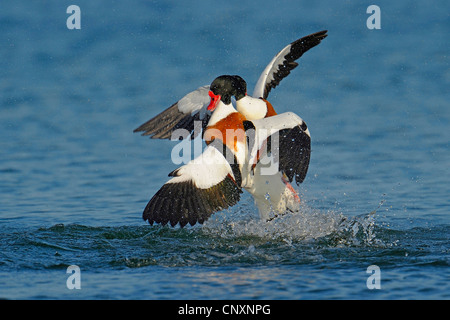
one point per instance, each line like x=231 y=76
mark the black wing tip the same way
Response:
x=320 y=34
x=182 y=203
x=161 y=125
x=297 y=49
x=165 y=124
x=142 y=128
x=302 y=45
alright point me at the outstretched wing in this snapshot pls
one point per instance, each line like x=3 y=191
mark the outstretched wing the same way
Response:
x=285 y=140
x=282 y=64
x=181 y=115
x=203 y=186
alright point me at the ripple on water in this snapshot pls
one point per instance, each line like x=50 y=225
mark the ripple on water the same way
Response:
x=227 y=239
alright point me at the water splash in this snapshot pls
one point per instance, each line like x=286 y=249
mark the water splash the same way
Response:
x=307 y=224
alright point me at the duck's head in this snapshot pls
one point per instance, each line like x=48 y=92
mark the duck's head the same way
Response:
x=224 y=87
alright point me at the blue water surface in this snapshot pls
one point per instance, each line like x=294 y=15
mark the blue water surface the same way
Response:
x=74 y=179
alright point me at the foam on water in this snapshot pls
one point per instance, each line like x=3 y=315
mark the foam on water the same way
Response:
x=307 y=224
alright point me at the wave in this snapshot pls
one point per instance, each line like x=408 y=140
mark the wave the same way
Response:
x=230 y=238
